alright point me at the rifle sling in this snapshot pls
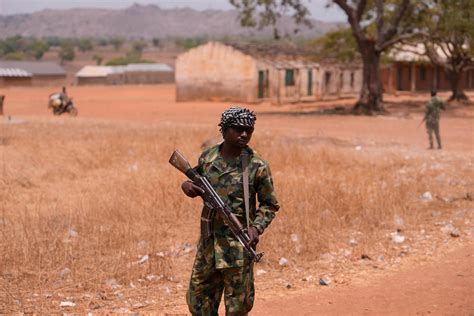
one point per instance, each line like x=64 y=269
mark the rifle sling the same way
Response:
x=245 y=181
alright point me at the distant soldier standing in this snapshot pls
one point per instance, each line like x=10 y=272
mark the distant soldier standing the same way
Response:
x=222 y=265
x=432 y=115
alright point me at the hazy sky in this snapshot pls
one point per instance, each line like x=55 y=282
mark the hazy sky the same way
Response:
x=8 y=7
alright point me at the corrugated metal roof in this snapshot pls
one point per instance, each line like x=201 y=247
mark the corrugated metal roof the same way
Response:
x=94 y=71
x=34 y=67
x=413 y=53
x=149 y=67
x=104 y=71
x=14 y=72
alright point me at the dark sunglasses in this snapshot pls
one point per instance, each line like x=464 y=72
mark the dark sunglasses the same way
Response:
x=241 y=129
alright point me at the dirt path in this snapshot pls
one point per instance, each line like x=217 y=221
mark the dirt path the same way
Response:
x=441 y=287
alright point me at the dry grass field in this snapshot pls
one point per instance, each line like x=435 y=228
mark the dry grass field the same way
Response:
x=92 y=217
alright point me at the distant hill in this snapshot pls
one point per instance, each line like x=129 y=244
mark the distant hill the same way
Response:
x=142 y=21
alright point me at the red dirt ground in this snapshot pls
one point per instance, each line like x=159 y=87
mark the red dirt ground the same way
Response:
x=157 y=104
x=442 y=286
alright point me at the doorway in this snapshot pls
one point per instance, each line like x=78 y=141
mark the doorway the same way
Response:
x=263 y=84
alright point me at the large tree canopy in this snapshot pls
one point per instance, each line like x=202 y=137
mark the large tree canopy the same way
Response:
x=449 y=28
x=338 y=45
x=376 y=25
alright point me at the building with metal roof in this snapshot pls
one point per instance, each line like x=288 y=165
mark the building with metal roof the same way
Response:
x=411 y=70
x=15 y=77
x=129 y=74
x=38 y=73
x=14 y=72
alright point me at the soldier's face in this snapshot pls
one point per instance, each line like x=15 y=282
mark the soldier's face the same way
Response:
x=238 y=136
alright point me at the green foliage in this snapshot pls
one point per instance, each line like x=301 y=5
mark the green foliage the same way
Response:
x=452 y=23
x=14 y=56
x=12 y=45
x=116 y=43
x=138 y=47
x=118 y=61
x=66 y=53
x=449 y=27
x=98 y=59
x=102 y=42
x=125 y=60
x=39 y=47
x=85 y=44
x=263 y=13
x=188 y=43
x=53 y=41
x=337 y=45
x=156 y=42
x=18 y=47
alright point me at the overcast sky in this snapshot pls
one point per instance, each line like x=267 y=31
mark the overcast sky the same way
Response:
x=7 y=7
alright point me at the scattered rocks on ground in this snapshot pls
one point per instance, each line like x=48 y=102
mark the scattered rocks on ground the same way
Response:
x=64 y=272
x=353 y=242
x=112 y=283
x=397 y=237
x=325 y=281
x=327 y=257
x=398 y=220
x=67 y=304
x=133 y=167
x=451 y=230
x=426 y=196
x=153 y=277
x=307 y=278
x=187 y=248
x=283 y=261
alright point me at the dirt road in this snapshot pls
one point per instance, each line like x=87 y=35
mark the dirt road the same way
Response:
x=442 y=287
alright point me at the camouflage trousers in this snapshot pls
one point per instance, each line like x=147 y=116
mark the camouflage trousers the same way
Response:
x=430 y=128
x=208 y=283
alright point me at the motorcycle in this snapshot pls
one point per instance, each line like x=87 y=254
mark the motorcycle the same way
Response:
x=60 y=104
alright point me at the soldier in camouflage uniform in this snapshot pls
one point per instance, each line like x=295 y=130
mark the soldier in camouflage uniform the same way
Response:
x=222 y=265
x=432 y=114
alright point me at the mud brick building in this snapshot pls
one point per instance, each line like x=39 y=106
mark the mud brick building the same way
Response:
x=217 y=71
x=410 y=70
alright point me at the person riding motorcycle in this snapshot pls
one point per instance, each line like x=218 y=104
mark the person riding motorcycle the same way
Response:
x=61 y=102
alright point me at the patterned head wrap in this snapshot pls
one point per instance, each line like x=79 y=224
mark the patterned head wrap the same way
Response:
x=236 y=116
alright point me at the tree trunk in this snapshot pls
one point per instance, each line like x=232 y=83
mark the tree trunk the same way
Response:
x=371 y=95
x=457 y=94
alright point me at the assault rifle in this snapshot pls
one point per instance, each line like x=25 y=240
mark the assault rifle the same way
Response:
x=214 y=202
x=424 y=119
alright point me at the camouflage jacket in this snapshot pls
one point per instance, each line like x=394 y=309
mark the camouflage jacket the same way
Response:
x=226 y=178
x=433 y=109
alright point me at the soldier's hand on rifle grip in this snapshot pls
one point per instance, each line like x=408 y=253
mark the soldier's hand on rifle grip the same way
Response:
x=191 y=190
x=253 y=235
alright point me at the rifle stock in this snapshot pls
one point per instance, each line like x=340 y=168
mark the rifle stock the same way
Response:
x=212 y=199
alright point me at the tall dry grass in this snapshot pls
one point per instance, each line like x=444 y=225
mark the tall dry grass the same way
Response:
x=82 y=202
